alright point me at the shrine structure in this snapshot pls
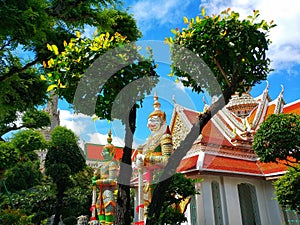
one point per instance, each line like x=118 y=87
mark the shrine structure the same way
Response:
x=236 y=187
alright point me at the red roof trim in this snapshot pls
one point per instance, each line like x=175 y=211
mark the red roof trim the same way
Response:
x=293 y=107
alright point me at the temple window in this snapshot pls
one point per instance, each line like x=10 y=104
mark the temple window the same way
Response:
x=193 y=211
x=216 y=197
x=248 y=204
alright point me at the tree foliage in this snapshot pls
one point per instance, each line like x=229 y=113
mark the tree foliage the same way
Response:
x=105 y=65
x=78 y=197
x=37 y=202
x=278 y=138
x=7 y=156
x=25 y=30
x=23 y=176
x=18 y=155
x=13 y=217
x=233 y=49
x=64 y=158
x=287 y=189
x=63 y=153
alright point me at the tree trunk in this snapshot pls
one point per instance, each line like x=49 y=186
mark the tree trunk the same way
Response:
x=59 y=202
x=123 y=216
x=155 y=207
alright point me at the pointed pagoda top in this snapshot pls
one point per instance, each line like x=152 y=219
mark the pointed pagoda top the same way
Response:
x=157 y=111
x=109 y=144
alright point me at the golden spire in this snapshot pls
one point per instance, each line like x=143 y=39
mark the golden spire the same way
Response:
x=109 y=144
x=157 y=111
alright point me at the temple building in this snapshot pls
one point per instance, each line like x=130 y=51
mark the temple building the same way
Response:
x=236 y=188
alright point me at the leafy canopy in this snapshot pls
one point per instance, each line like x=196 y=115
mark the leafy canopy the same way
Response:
x=233 y=49
x=278 y=138
x=105 y=64
x=25 y=29
x=64 y=156
x=287 y=189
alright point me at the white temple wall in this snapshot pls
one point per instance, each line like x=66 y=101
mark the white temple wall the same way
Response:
x=269 y=210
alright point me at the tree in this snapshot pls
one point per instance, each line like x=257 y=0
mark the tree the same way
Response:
x=64 y=158
x=23 y=176
x=287 y=189
x=18 y=155
x=78 y=198
x=36 y=202
x=234 y=51
x=82 y=75
x=24 y=173
x=278 y=140
x=23 y=50
x=39 y=23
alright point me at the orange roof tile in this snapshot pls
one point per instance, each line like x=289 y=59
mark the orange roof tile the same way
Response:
x=188 y=164
x=211 y=134
x=293 y=107
x=270 y=111
x=269 y=168
x=226 y=164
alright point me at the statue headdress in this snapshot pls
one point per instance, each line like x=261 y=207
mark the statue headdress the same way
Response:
x=157 y=111
x=109 y=144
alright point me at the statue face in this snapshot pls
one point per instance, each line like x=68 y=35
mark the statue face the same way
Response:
x=106 y=154
x=154 y=123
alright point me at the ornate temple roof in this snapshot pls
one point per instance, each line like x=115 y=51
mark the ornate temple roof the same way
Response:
x=225 y=145
x=241 y=105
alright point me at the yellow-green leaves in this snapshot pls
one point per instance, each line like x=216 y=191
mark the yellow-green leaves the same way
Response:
x=51 y=87
x=53 y=48
x=203 y=11
x=174 y=31
x=78 y=34
x=43 y=77
x=185 y=20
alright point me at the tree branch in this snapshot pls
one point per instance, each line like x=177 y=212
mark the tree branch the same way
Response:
x=15 y=70
x=5 y=45
x=222 y=71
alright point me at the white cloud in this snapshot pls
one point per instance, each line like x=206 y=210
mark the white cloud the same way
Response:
x=88 y=130
x=97 y=138
x=285 y=47
x=78 y=123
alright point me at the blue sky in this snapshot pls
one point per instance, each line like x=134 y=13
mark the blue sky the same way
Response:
x=156 y=18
